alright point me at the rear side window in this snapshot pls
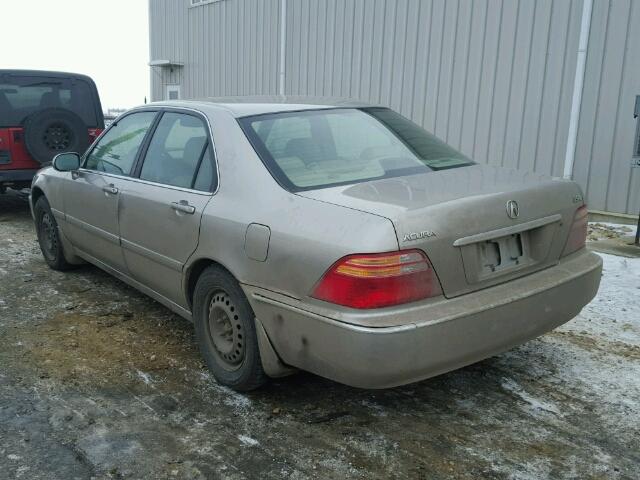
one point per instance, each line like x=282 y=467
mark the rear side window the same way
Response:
x=117 y=149
x=22 y=95
x=206 y=180
x=176 y=151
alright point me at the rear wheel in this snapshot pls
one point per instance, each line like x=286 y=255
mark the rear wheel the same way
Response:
x=225 y=330
x=48 y=236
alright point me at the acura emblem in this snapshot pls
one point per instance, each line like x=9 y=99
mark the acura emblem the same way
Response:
x=512 y=209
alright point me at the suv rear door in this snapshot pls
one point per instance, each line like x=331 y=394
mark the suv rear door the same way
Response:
x=160 y=211
x=92 y=194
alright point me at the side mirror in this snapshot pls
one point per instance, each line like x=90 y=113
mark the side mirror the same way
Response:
x=66 y=162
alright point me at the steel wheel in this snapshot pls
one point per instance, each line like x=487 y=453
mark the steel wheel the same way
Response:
x=57 y=137
x=225 y=331
x=48 y=236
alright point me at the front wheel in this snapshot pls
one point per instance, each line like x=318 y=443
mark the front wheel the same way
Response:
x=48 y=236
x=225 y=331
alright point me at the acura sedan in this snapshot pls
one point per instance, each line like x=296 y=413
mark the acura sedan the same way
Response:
x=341 y=239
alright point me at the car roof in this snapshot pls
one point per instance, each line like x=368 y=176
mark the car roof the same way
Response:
x=45 y=73
x=257 y=105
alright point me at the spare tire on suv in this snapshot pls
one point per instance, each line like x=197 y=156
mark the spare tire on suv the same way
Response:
x=52 y=131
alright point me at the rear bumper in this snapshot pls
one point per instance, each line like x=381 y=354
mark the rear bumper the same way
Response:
x=437 y=336
x=15 y=176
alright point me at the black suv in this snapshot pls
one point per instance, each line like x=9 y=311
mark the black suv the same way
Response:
x=43 y=114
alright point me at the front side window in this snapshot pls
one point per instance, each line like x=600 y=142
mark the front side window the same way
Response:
x=322 y=148
x=176 y=150
x=117 y=149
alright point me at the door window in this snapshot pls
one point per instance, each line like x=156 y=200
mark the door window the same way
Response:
x=117 y=149
x=206 y=180
x=176 y=151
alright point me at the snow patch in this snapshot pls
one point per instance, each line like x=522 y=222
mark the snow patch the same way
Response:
x=22 y=470
x=615 y=311
x=619 y=228
x=145 y=377
x=248 y=441
x=535 y=403
x=378 y=410
x=236 y=400
x=230 y=397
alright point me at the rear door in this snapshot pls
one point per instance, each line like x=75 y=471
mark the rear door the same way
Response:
x=92 y=194
x=160 y=212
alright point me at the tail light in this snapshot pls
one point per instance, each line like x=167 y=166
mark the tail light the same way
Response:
x=378 y=280
x=94 y=133
x=578 y=232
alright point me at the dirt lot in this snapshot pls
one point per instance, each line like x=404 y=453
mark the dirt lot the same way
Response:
x=98 y=381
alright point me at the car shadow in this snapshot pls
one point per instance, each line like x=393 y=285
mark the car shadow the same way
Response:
x=300 y=391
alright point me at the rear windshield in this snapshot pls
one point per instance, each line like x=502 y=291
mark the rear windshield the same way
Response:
x=20 y=96
x=322 y=148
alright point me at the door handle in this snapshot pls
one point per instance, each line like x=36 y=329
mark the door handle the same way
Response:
x=184 y=207
x=110 y=189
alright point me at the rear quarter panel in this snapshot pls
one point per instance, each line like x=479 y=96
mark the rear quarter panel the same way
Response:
x=306 y=236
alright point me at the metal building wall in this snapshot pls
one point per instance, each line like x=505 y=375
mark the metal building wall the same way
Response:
x=607 y=127
x=492 y=77
x=229 y=47
x=167 y=41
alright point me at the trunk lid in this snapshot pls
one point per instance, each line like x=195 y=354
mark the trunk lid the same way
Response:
x=460 y=218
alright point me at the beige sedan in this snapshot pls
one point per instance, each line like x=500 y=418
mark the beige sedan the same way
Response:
x=341 y=239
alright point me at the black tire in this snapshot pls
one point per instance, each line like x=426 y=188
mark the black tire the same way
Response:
x=48 y=236
x=53 y=131
x=223 y=318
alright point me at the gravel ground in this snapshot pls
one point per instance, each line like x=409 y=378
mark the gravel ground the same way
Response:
x=98 y=381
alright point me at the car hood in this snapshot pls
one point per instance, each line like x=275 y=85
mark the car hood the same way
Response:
x=435 y=210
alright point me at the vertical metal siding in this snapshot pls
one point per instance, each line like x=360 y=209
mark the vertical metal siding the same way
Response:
x=228 y=47
x=492 y=77
x=606 y=128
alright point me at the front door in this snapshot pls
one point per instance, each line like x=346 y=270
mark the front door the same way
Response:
x=160 y=212
x=92 y=195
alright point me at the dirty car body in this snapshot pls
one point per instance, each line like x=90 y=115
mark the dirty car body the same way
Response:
x=369 y=252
